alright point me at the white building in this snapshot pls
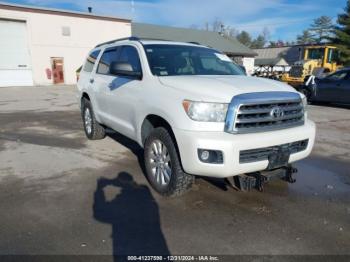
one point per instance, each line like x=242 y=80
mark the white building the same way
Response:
x=46 y=46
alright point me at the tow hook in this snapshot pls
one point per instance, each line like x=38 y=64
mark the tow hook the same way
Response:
x=257 y=180
x=289 y=174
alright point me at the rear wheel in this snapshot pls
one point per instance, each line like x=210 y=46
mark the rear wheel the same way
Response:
x=163 y=167
x=93 y=129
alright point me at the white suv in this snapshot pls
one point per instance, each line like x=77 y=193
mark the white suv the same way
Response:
x=193 y=111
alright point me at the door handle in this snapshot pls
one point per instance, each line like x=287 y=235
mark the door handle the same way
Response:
x=92 y=80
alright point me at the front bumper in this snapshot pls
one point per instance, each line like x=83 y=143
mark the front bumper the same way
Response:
x=231 y=145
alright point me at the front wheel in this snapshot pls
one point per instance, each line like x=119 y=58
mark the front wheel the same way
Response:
x=163 y=167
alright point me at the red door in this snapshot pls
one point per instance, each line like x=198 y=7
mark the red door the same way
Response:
x=57 y=70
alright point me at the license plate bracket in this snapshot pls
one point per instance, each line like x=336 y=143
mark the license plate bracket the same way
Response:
x=279 y=157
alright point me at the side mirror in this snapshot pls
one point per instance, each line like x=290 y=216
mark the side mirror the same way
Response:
x=124 y=69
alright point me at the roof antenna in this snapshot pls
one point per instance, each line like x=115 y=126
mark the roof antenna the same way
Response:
x=90 y=9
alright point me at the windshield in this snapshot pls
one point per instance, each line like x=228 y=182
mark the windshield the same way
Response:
x=315 y=53
x=172 y=60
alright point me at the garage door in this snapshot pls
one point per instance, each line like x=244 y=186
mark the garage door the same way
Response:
x=15 y=68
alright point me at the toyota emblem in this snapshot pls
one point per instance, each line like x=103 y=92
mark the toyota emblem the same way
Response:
x=276 y=112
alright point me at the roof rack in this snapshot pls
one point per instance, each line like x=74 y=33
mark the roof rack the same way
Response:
x=135 y=38
x=132 y=38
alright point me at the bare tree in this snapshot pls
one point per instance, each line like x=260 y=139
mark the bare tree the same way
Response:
x=230 y=31
x=217 y=25
x=206 y=26
x=266 y=34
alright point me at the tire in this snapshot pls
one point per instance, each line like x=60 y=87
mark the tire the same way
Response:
x=163 y=166
x=93 y=129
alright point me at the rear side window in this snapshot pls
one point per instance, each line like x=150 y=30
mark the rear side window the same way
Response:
x=109 y=56
x=129 y=54
x=90 y=61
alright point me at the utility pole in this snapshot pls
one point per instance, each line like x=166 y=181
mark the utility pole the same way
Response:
x=132 y=9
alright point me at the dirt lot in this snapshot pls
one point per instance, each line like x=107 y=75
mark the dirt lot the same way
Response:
x=63 y=194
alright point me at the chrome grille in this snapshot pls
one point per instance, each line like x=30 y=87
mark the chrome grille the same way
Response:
x=257 y=112
x=260 y=154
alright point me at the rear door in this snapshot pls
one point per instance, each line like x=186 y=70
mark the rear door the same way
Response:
x=343 y=95
x=100 y=82
x=86 y=74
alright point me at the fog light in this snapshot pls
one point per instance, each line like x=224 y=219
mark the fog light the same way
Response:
x=205 y=155
x=210 y=156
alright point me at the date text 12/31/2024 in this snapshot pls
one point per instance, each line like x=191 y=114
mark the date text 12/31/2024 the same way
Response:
x=173 y=258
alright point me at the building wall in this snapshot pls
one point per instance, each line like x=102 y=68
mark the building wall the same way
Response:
x=46 y=40
x=248 y=63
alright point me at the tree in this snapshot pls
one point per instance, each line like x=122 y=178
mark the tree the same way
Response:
x=245 y=38
x=278 y=43
x=321 y=29
x=341 y=38
x=273 y=44
x=266 y=34
x=305 y=38
x=230 y=31
x=217 y=25
x=259 y=42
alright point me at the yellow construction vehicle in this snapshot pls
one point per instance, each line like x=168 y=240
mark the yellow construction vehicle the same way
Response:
x=318 y=60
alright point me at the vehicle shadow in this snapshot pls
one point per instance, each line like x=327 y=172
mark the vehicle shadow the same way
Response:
x=137 y=150
x=133 y=146
x=134 y=216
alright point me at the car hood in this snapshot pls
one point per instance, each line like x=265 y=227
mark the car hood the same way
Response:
x=221 y=88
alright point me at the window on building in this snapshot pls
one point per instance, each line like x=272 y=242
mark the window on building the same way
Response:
x=109 y=56
x=91 y=60
x=65 y=30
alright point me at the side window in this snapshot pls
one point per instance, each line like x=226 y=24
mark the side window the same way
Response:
x=337 y=76
x=129 y=54
x=348 y=76
x=90 y=61
x=109 y=56
x=211 y=64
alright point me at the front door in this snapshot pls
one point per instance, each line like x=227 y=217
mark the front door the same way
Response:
x=327 y=88
x=344 y=91
x=124 y=93
x=57 y=70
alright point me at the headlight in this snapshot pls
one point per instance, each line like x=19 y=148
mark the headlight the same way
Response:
x=205 y=112
x=304 y=100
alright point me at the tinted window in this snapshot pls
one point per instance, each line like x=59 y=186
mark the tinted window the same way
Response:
x=337 y=76
x=109 y=56
x=90 y=61
x=167 y=60
x=333 y=55
x=315 y=53
x=129 y=54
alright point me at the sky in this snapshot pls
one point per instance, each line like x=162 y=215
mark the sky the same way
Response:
x=284 y=19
